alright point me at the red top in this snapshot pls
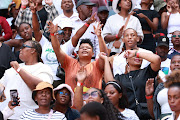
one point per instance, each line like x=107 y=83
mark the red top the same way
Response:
x=7 y=29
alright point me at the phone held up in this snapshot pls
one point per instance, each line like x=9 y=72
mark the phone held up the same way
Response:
x=14 y=97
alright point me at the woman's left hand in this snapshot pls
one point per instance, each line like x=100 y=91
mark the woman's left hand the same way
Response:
x=15 y=65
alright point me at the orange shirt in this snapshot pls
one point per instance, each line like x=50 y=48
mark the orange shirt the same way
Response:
x=94 y=74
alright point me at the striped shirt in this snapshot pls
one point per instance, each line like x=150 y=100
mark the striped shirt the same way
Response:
x=33 y=115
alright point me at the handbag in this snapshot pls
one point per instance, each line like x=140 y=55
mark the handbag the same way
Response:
x=141 y=108
x=60 y=72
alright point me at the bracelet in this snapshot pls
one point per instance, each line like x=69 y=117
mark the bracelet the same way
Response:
x=79 y=84
x=149 y=97
x=137 y=55
x=22 y=6
x=18 y=70
x=87 y=25
x=52 y=34
x=117 y=36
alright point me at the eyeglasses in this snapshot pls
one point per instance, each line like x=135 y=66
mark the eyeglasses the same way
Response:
x=93 y=94
x=174 y=36
x=24 y=45
x=60 y=32
x=63 y=93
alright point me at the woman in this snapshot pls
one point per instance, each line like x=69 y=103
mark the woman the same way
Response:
x=117 y=23
x=149 y=22
x=158 y=106
x=43 y=96
x=116 y=94
x=93 y=111
x=93 y=95
x=25 y=76
x=169 y=19
x=64 y=100
x=173 y=85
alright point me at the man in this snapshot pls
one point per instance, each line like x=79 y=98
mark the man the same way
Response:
x=84 y=8
x=162 y=50
x=103 y=14
x=176 y=44
x=68 y=13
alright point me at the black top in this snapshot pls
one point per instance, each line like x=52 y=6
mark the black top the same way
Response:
x=72 y=114
x=1 y=116
x=139 y=78
x=42 y=14
x=6 y=56
x=151 y=14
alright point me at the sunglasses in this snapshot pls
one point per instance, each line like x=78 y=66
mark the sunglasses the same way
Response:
x=24 y=46
x=63 y=93
x=93 y=94
x=174 y=36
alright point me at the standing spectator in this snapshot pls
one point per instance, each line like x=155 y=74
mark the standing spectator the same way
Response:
x=169 y=19
x=68 y=13
x=25 y=76
x=175 y=38
x=149 y=23
x=45 y=13
x=64 y=101
x=114 y=26
x=6 y=29
x=103 y=14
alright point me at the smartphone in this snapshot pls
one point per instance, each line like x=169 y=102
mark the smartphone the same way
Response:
x=14 y=97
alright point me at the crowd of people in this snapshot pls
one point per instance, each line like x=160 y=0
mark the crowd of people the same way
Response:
x=90 y=60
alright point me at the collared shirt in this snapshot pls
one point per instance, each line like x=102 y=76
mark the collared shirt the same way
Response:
x=26 y=16
x=172 y=52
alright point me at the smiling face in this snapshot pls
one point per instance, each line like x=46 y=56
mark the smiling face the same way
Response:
x=25 y=31
x=44 y=97
x=67 y=5
x=174 y=98
x=63 y=96
x=85 y=50
x=130 y=38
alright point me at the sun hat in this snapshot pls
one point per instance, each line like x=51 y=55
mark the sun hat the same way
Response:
x=61 y=86
x=41 y=86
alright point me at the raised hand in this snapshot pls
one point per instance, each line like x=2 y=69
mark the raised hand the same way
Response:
x=33 y=6
x=49 y=2
x=14 y=64
x=24 y=2
x=81 y=74
x=52 y=28
x=169 y=8
x=10 y=104
x=97 y=29
x=149 y=89
x=92 y=19
x=120 y=33
x=103 y=55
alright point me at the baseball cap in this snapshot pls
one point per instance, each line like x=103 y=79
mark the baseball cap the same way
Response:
x=66 y=23
x=102 y=8
x=163 y=41
x=84 y=2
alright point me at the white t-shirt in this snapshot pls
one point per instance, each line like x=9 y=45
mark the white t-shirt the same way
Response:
x=162 y=99
x=119 y=63
x=129 y=114
x=114 y=24
x=173 y=117
x=12 y=80
x=49 y=57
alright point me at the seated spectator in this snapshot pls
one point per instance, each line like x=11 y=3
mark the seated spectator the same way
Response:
x=169 y=19
x=25 y=76
x=45 y=13
x=173 y=85
x=130 y=40
x=6 y=29
x=117 y=96
x=116 y=24
x=7 y=111
x=64 y=100
x=103 y=14
x=6 y=56
x=175 y=38
x=162 y=50
x=158 y=106
x=43 y=96
x=85 y=53
x=93 y=95
x=94 y=111
x=149 y=22
x=137 y=76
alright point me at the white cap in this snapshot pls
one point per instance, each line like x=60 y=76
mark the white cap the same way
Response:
x=66 y=23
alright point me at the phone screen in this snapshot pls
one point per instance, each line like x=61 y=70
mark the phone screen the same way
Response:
x=14 y=97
